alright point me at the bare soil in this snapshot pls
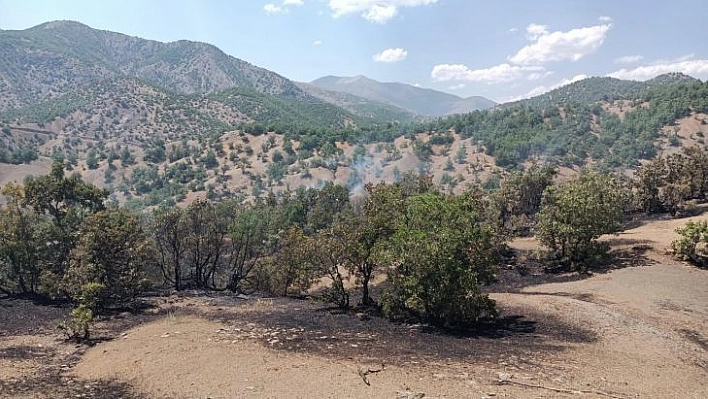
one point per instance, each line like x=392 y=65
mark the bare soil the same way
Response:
x=637 y=329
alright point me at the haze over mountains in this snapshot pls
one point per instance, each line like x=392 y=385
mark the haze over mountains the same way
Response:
x=422 y=101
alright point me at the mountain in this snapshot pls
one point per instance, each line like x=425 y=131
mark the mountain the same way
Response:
x=58 y=68
x=422 y=101
x=160 y=123
x=359 y=105
x=596 y=89
x=64 y=55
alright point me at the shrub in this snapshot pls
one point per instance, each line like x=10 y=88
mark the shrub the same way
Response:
x=437 y=268
x=574 y=214
x=78 y=326
x=692 y=244
x=107 y=266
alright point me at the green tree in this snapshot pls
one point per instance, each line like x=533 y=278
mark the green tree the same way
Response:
x=113 y=252
x=574 y=214
x=518 y=199
x=66 y=200
x=291 y=267
x=92 y=160
x=23 y=237
x=439 y=256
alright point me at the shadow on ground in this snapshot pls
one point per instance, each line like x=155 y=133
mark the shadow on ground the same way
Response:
x=346 y=335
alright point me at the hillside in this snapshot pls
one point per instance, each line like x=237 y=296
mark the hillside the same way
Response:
x=148 y=146
x=425 y=102
x=595 y=89
x=65 y=55
x=99 y=101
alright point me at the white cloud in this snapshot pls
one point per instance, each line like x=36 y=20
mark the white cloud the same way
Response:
x=558 y=46
x=513 y=30
x=496 y=74
x=695 y=68
x=271 y=8
x=380 y=14
x=379 y=11
x=605 y=18
x=317 y=43
x=457 y=87
x=543 y=89
x=416 y=84
x=534 y=31
x=629 y=59
x=391 y=55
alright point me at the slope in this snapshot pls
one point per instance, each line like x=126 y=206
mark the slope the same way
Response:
x=421 y=101
x=66 y=55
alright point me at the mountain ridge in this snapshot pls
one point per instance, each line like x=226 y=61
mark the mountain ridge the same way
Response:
x=90 y=54
x=600 y=88
x=423 y=101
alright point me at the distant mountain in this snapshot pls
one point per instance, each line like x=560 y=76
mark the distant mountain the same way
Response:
x=63 y=55
x=360 y=106
x=61 y=67
x=425 y=102
x=596 y=89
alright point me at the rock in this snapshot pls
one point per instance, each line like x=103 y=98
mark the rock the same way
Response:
x=504 y=378
x=409 y=395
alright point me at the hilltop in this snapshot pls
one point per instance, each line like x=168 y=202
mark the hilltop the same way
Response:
x=596 y=89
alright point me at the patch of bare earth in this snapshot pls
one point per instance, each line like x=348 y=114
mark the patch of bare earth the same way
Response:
x=637 y=331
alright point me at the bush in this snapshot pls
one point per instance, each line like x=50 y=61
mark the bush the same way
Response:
x=574 y=214
x=107 y=266
x=437 y=268
x=290 y=270
x=79 y=323
x=692 y=246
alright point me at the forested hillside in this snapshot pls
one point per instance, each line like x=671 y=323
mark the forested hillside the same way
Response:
x=168 y=122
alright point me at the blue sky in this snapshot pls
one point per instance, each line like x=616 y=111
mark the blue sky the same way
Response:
x=498 y=49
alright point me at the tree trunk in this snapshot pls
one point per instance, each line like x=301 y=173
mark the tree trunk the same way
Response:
x=365 y=299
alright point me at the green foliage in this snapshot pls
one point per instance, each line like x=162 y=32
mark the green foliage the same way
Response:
x=692 y=245
x=518 y=200
x=516 y=134
x=574 y=214
x=666 y=184
x=291 y=268
x=78 y=326
x=156 y=152
x=92 y=160
x=40 y=227
x=439 y=257
x=23 y=237
x=113 y=253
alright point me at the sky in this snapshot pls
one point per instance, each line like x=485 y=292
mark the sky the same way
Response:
x=503 y=50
